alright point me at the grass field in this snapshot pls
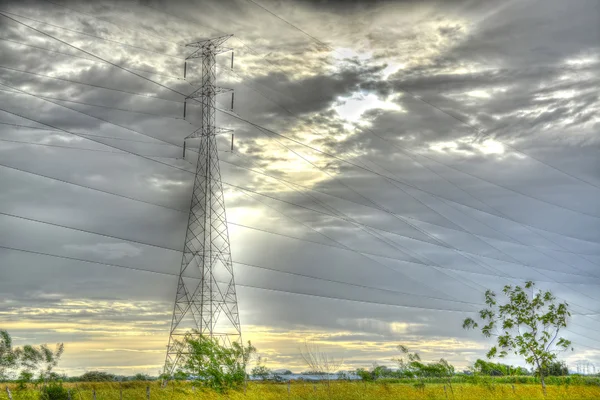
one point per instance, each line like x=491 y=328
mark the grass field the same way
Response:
x=310 y=391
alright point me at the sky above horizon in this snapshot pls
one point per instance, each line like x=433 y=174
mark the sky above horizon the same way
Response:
x=419 y=153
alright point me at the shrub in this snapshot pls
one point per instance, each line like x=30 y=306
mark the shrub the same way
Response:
x=214 y=365
x=96 y=376
x=54 y=391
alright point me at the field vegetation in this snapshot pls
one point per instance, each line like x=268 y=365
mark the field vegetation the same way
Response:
x=475 y=389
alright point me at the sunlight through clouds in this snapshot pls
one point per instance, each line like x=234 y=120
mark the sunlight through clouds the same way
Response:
x=351 y=108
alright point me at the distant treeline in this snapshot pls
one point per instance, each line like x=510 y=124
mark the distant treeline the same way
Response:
x=99 y=376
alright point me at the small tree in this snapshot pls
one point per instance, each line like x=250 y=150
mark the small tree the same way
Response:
x=29 y=359
x=24 y=378
x=260 y=370
x=216 y=366
x=9 y=359
x=414 y=367
x=482 y=367
x=48 y=360
x=528 y=325
x=555 y=368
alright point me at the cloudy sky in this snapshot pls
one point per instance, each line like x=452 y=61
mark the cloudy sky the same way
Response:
x=415 y=154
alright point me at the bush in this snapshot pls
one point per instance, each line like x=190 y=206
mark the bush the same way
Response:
x=96 y=376
x=261 y=371
x=365 y=375
x=54 y=391
x=214 y=365
x=142 y=377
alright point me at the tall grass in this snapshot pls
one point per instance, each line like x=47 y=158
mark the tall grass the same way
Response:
x=381 y=390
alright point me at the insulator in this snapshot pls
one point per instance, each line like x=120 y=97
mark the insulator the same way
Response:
x=184 y=107
x=232 y=142
x=231 y=101
x=184 y=69
x=232 y=60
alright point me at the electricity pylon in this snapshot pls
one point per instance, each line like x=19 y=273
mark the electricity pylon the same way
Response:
x=206 y=299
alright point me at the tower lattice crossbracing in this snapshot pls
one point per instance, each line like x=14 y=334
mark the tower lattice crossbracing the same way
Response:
x=206 y=299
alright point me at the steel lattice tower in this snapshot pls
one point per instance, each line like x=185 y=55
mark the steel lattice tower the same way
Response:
x=210 y=305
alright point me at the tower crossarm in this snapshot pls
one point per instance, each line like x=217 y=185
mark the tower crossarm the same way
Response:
x=208 y=47
x=208 y=90
x=213 y=131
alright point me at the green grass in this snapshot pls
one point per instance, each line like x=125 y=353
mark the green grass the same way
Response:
x=381 y=390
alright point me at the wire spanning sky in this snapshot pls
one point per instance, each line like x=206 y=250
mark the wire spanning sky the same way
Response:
x=392 y=160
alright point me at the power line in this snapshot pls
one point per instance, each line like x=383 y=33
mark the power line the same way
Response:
x=88 y=84
x=243 y=44
x=139 y=132
x=260 y=92
x=414 y=159
x=244 y=190
x=232 y=223
x=114 y=23
x=91 y=188
x=103 y=191
x=196 y=23
x=414 y=96
x=58 y=146
x=78 y=148
x=100 y=106
x=284 y=137
x=86 y=134
x=105 y=60
x=147 y=244
x=378 y=206
x=382 y=239
x=462 y=121
x=79 y=112
x=369 y=259
x=306 y=188
x=231 y=114
x=87 y=231
x=27 y=126
x=324 y=44
x=236 y=116
x=448 y=166
x=467 y=255
x=237 y=284
x=253 y=286
x=458 y=252
x=346 y=246
x=354 y=284
x=93 y=55
x=163 y=140
x=87 y=34
x=292 y=25
x=84 y=58
x=96 y=141
x=91 y=232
